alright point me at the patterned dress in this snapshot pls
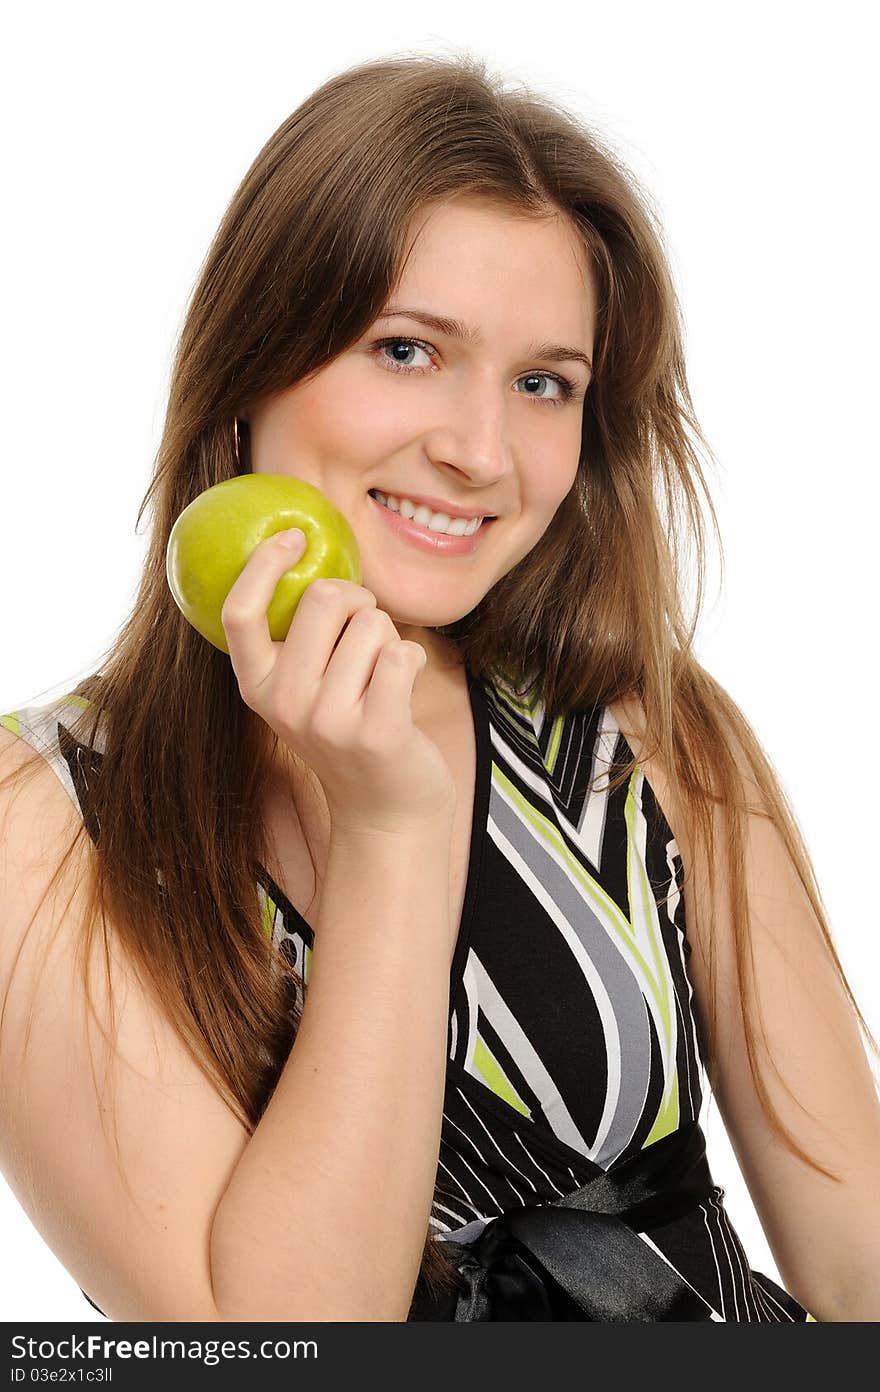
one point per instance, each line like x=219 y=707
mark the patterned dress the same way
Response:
x=571 y=1041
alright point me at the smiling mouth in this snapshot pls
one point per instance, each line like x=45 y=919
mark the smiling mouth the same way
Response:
x=485 y=518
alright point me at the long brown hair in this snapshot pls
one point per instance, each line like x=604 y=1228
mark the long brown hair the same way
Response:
x=303 y=261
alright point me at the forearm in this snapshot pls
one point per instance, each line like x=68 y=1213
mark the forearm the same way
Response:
x=326 y=1213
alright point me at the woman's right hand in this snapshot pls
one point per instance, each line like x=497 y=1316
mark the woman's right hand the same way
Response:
x=337 y=692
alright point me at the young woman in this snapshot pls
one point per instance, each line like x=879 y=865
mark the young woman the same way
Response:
x=374 y=975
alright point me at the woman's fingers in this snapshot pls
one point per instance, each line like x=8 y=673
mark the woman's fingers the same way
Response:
x=354 y=659
x=243 y=615
x=397 y=668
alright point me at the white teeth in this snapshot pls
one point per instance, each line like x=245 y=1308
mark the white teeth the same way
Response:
x=432 y=521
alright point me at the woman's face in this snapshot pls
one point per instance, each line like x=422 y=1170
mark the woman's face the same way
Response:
x=483 y=425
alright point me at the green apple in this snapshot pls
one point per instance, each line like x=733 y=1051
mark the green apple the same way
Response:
x=215 y=534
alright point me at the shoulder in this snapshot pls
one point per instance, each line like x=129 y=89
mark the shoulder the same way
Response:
x=66 y=735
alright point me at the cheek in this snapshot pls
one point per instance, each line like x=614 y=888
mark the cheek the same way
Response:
x=350 y=420
x=547 y=481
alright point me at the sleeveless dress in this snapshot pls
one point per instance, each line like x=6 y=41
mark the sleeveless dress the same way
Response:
x=571 y=1042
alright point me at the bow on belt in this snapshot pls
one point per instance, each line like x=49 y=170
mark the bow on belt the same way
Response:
x=579 y=1257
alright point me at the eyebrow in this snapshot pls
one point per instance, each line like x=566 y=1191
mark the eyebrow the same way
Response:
x=454 y=328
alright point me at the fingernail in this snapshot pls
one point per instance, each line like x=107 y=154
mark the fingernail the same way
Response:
x=292 y=538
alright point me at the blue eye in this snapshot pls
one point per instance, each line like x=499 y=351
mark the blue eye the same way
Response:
x=408 y=343
x=567 y=388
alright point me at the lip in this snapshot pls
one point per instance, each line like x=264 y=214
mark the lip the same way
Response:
x=436 y=505
x=434 y=543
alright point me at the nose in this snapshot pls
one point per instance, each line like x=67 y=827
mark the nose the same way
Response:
x=474 y=442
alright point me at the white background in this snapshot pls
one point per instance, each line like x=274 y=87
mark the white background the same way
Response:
x=125 y=135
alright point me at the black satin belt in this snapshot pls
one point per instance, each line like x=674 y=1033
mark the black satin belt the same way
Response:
x=580 y=1257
